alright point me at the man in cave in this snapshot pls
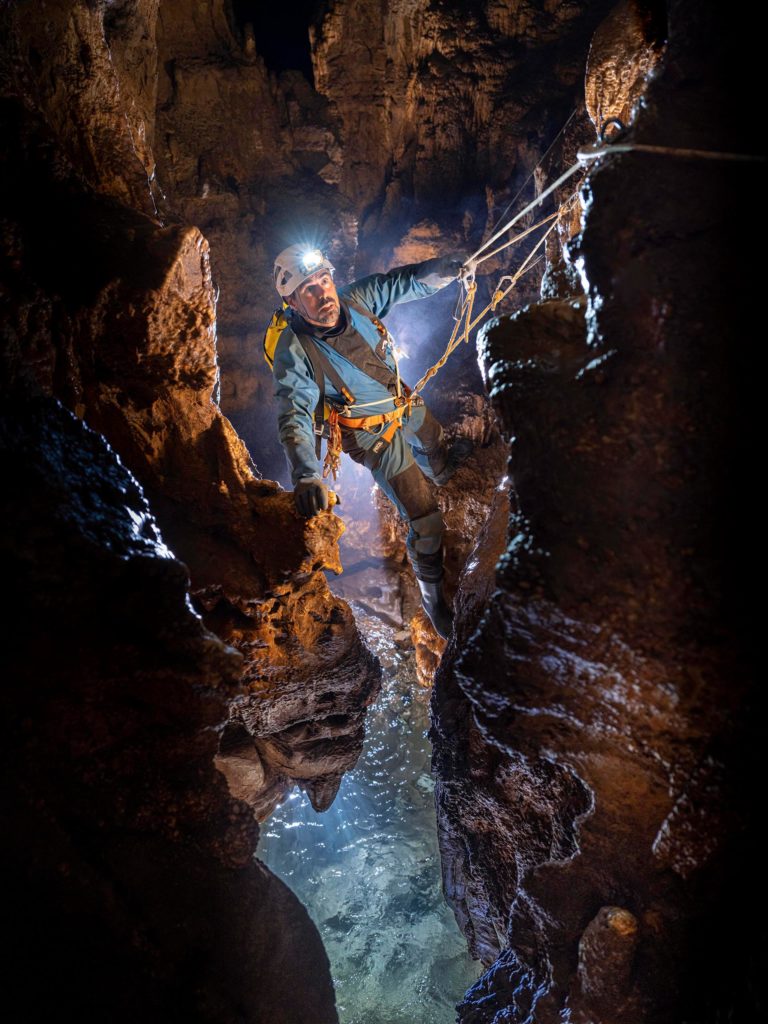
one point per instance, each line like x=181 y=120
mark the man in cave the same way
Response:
x=335 y=372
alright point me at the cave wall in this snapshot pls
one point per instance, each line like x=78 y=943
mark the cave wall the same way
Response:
x=133 y=891
x=596 y=738
x=112 y=309
x=155 y=160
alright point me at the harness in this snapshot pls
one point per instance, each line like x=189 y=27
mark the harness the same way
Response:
x=337 y=416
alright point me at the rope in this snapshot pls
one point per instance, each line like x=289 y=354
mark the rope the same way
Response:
x=466 y=311
x=531 y=206
x=517 y=238
x=584 y=155
x=589 y=153
x=512 y=202
x=466 y=315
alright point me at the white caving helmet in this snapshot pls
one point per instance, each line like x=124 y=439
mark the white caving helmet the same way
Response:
x=295 y=264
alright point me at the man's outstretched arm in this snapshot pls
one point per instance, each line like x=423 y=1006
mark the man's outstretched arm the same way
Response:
x=379 y=292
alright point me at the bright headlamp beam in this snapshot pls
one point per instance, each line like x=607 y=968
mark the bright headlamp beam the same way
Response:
x=311 y=259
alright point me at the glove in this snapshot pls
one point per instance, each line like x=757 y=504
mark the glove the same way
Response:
x=310 y=495
x=441 y=270
x=450 y=266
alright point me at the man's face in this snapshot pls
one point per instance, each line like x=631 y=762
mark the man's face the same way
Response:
x=317 y=300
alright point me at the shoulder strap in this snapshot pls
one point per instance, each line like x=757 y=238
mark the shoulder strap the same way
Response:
x=359 y=308
x=321 y=367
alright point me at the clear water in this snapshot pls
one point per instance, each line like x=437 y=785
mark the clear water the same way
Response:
x=368 y=869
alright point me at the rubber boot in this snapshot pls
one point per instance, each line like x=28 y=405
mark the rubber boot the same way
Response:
x=439 y=612
x=425 y=548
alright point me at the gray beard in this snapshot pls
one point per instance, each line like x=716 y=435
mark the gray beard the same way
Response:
x=328 y=319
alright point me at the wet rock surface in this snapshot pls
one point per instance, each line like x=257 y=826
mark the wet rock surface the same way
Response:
x=595 y=736
x=120 y=835
x=593 y=718
x=115 y=314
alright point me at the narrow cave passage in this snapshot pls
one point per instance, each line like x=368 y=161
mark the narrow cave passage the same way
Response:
x=182 y=670
x=368 y=869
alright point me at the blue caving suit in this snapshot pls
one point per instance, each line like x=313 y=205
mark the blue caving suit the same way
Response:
x=416 y=449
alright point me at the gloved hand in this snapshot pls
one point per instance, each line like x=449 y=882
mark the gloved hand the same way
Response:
x=440 y=270
x=310 y=495
x=451 y=265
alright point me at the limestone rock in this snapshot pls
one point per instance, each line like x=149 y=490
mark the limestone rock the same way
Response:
x=115 y=315
x=129 y=859
x=625 y=50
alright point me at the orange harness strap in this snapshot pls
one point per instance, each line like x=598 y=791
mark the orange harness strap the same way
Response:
x=336 y=422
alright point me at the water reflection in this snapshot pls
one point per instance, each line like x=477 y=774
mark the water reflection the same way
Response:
x=368 y=869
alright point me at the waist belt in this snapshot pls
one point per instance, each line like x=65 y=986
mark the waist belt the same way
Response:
x=366 y=422
x=336 y=421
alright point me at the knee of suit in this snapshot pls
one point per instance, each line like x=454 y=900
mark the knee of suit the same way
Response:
x=425 y=536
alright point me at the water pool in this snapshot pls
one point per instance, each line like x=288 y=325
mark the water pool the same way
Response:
x=368 y=869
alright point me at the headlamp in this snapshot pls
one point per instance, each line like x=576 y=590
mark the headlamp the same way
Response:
x=310 y=260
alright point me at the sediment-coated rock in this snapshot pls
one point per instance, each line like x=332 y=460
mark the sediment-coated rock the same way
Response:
x=115 y=314
x=594 y=724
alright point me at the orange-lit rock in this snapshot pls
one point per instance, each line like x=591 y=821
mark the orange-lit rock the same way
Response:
x=126 y=850
x=625 y=50
x=128 y=341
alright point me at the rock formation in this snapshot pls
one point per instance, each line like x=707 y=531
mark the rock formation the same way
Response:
x=593 y=714
x=115 y=314
x=591 y=737
x=134 y=890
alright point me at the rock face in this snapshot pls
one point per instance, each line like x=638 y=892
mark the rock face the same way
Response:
x=133 y=873
x=115 y=314
x=591 y=716
x=593 y=735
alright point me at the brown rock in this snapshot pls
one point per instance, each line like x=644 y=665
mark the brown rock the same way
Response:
x=608 y=680
x=625 y=50
x=129 y=858
x=129 y=341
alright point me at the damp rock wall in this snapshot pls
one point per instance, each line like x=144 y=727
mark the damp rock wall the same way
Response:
x=594 y=720
x=112 y=310
x=597 y=723
x=134 y=880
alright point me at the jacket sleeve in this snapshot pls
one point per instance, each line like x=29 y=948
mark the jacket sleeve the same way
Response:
x=296 y=397
x=379 y=292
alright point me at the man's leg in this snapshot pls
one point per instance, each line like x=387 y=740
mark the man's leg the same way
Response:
x=400 y=478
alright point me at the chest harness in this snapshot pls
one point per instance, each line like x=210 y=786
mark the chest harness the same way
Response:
x=330 y=411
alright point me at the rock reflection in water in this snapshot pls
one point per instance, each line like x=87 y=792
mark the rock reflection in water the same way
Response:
x=368 y=869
